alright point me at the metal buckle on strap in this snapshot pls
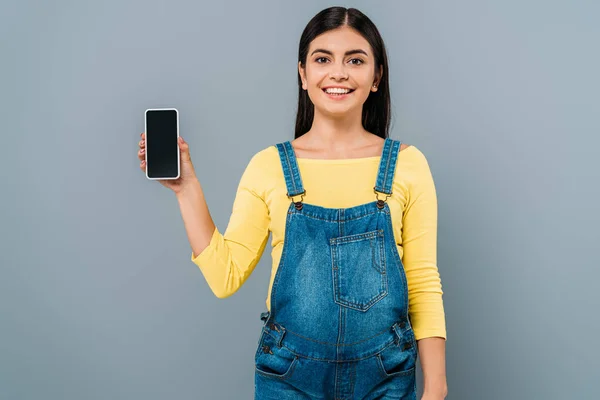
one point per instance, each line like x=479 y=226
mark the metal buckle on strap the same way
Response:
x=380 y=202
x=264 y=316
x=297 y=204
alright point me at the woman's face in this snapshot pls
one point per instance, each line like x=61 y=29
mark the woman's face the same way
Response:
x=340 y=72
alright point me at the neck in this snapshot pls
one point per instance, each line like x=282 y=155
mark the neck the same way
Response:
x=337 y=132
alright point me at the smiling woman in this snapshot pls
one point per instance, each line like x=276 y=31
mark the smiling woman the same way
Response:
x=342 y=51
x=355 y=295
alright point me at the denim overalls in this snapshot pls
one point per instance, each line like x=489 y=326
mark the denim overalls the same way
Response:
x=338 y=326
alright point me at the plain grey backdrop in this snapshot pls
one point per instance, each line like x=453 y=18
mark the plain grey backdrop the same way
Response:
x=98 y=296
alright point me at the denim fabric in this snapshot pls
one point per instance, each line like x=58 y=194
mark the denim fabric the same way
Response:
x=338 y=327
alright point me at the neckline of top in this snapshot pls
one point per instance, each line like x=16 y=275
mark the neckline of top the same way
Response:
x=337 y=160
x=341 y=160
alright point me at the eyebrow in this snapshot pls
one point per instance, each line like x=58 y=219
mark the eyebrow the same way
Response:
x=349 y=52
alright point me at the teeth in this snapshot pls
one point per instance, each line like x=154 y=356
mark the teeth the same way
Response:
x=337 y=91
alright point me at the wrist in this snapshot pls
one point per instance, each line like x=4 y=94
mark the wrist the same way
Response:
x=189 y=189
x=436 y=387
x=435 y=391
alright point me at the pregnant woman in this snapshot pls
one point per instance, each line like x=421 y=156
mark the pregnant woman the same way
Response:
x=355 y=294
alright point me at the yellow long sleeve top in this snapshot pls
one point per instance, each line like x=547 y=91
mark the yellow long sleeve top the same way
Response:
x=260 y=207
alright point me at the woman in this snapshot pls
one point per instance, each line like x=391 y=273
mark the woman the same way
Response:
x=355 y=293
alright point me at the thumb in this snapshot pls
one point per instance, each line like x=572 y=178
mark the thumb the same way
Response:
x=185 y=149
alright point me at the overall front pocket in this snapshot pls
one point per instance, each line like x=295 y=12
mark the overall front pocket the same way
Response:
x=359 y=269
x=399 y=358
x=273 y=361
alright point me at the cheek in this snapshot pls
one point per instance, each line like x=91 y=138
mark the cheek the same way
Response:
x=314 y=94
x=313 y=81
x=315 y=76
x=365 y=79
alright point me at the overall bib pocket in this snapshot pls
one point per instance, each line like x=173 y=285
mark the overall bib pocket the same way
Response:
x=273 y=361
x=359 y=269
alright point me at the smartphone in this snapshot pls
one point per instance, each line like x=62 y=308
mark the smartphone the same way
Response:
x=162 y=150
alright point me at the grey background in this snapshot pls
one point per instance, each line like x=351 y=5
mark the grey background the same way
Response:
x=98 y=297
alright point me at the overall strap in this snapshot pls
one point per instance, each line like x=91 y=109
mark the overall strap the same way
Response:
x=387 y=169
x=291 y=173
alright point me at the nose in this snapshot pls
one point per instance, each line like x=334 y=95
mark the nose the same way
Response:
x=338 y=72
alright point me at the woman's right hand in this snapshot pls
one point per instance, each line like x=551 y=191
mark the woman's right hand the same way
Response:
x=187 y=176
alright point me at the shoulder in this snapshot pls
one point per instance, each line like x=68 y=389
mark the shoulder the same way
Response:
x=262 y=163
x=264 y=157
x=405 y=146
x=413 y=177
x=259 y=171
x=411 y=153
x=413 y=164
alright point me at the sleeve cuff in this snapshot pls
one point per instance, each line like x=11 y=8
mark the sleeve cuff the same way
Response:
x=211 y=245
x=424 y=334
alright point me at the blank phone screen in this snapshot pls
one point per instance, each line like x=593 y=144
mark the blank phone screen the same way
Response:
x=162 y=153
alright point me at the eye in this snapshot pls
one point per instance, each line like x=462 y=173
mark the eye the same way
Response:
x=321 y=60
x=356 y=61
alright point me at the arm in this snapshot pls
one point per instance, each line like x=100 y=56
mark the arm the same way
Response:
x=198 y=223
x=432 y=353
x=419 y=240
x=227 y=260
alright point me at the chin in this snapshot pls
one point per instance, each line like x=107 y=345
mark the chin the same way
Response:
x=335 y=111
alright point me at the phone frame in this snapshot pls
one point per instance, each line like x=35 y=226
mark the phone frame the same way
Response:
x=178 y=150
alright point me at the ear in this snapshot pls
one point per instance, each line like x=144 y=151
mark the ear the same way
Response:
x=377 y=80
x=302 y=73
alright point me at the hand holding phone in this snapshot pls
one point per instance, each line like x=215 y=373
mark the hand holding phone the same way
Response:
x=164 y=155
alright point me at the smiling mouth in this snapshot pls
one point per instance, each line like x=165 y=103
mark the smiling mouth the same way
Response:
x=337 y=91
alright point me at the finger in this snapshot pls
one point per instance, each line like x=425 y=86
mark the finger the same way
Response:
x=185 y=149
x=142 y=154
x=143 y=135
x=142 y=143
x=182 y=143
x=143 y=165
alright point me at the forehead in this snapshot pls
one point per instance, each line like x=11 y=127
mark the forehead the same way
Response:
x=340 y=40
